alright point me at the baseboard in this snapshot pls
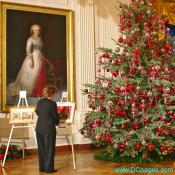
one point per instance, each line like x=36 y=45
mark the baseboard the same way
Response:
x=63 y=148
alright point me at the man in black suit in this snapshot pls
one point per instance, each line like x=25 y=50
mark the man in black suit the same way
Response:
x=48 y=118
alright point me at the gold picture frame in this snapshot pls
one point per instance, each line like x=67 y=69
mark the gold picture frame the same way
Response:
x=57 y=29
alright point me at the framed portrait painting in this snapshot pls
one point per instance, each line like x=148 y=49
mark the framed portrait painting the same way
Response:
x=36 y=50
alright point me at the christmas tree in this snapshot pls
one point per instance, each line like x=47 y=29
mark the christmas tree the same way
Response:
x=133 y=99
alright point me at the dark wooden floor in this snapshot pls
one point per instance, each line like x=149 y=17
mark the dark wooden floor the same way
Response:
x=86 y=165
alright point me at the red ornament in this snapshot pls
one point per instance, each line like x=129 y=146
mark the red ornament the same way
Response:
x=136 y=116
x=153 y=28
x=162 y=148
x=151 y=147
x=108 y=138
x=129 y=24
x=129 y=43
x=120 y=150
x=96 y=123
x=151 y=41
x=119 y=103
x=102 y=136
x=145 y=155
x=140 y=16
x=131 y=102
x=130 y=87
x=11 y=148
x=123 y=146
x=136 y=126
x=106 y=55
x=120 y=40
x=159 y=88
x=160 y=129
x=170 y=149
x=122 y=113
x=114 y=73
x=123 y=126
x=134 y=39
x=167 y=46
x=168 y=131
x=142 y=106
x=149 y=68
x=148 y=21
x=1 y=156
x=135 y=59
x=138 y=145
x=116 y=112
x=101 y=96
x=168 y=103
x=150 y=104
x=3 y=147
x=117 y=90
x=136 y=51
x=159 y=133
x=169 y=112
x=118 y=61
x=145 y=120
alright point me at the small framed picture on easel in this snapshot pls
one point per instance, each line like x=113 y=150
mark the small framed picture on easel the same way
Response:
x=22 y=115
x=66 y=111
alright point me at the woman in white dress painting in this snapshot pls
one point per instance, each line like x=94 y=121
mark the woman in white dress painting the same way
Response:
x=31 y=76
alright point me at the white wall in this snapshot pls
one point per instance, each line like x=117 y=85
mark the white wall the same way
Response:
x=96 y=22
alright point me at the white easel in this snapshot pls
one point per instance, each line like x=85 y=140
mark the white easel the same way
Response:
x=22 y=96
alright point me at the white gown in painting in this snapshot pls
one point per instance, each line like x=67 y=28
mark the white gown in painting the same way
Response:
x=31 y=76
